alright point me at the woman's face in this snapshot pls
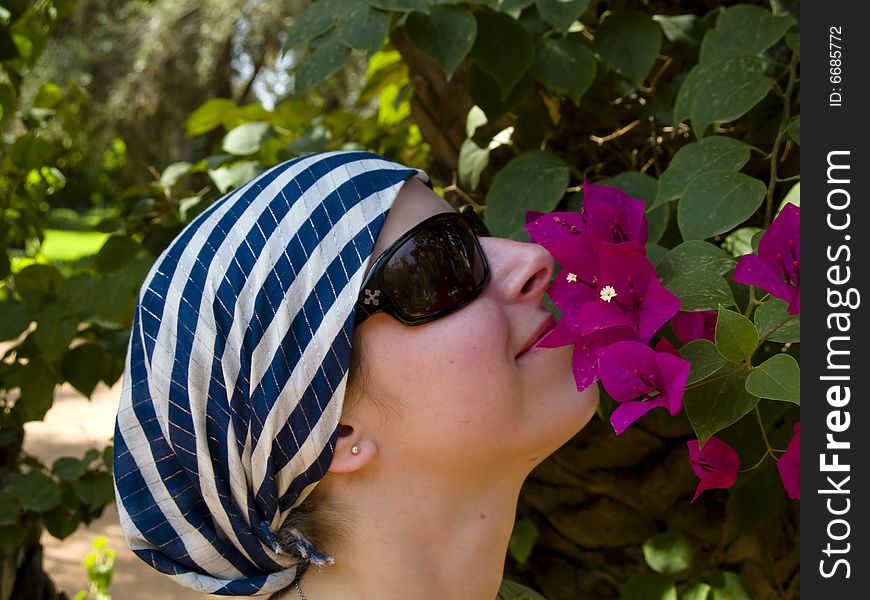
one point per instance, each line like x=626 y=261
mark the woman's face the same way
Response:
x=460 y=387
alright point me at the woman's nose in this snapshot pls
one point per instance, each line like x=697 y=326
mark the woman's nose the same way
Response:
x=521 y=272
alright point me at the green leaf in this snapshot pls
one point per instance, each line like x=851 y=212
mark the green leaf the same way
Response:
x=739 y=242
x=503 y=49
x=715 y=405
x=326 y=59
x=317 y=19
x=36 y=491
x=95 y=489
x=720 y=92
x=38 y=283
x=699 y=591
x=173 y=174
x=693 y=256
x=401 y=5
x=718 y=152
x=485 y=92
x=793 y=196
x=648 y=586
x=717 y=201
x=777 y=378
x=235 y=175
x=14 y=319
x=247 y=138
x=772 y=316
x=36 y=382
x=704 y=357
x=629 y=42
x=523 y=539
x=48 y=96
x=561 y=13
x=10 y=508
x=116 y=252
x=736 y=336
x=472 y=162
x=565 y=65
x=208 y=116
x=701 y=290
x=363 y=28
x=54 y=331
x=63 y=519
x=446 y=35
x=794 y=130
x=84 y=366
x=68 y=468
x=535 y=180
x=668 y=552
x=730 y=586
x=743 y=30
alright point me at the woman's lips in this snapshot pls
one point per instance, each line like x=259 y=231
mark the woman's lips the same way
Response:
x=545 y=328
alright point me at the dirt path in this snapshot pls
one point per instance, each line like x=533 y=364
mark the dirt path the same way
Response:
x=71 y=427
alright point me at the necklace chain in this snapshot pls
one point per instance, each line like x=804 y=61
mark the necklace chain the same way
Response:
x=299 y=591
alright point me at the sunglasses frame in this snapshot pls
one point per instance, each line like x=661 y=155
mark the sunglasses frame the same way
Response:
x=373 y=297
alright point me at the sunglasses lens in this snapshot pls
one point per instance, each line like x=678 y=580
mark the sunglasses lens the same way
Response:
x=436 y=269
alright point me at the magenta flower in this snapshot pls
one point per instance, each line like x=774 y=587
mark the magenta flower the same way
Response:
x=715 y=464
x=641 y=379
x=691 y=326
x=789 y=465
x=776 y=267
x=608 y=215
x=613 y=216
x=629 y=294
x=584 y=361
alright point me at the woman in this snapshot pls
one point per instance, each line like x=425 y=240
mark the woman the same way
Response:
x=329 y=325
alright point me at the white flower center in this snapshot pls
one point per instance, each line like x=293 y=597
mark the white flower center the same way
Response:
x=607 y=293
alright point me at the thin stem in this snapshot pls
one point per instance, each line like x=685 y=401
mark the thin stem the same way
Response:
x=774 y=154
x=752 y=301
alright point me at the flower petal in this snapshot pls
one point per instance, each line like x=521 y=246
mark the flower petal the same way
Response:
x=789 y=465
x=629 y=412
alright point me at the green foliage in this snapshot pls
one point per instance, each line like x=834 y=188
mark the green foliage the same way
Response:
x=777 y=378
x=668 y=552
x=100 y=566
x=532 y=181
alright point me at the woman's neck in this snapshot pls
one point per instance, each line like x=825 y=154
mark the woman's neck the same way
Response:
x=419 y=539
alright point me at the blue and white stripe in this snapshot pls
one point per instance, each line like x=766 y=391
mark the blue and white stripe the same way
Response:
x=237 y=368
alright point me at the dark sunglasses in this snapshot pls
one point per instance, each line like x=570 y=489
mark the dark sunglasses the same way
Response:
x=433 y=269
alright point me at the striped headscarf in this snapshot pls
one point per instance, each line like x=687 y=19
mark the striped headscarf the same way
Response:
x=237 y=368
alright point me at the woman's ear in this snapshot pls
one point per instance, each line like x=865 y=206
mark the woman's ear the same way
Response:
x=353 y=450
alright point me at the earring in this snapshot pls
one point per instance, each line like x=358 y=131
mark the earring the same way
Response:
x=354 y=450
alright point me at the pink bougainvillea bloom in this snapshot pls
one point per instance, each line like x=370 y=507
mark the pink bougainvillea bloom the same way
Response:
x=563 y=234
x=584 y=361
x=608 y=215
x=613 y=216
x=776 y=268
x=715 y=464
x=629 y=294
x=789 y=465
x=641 y=379
x=691 y=326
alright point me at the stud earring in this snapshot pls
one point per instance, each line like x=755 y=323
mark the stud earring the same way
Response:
x=354 y=450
